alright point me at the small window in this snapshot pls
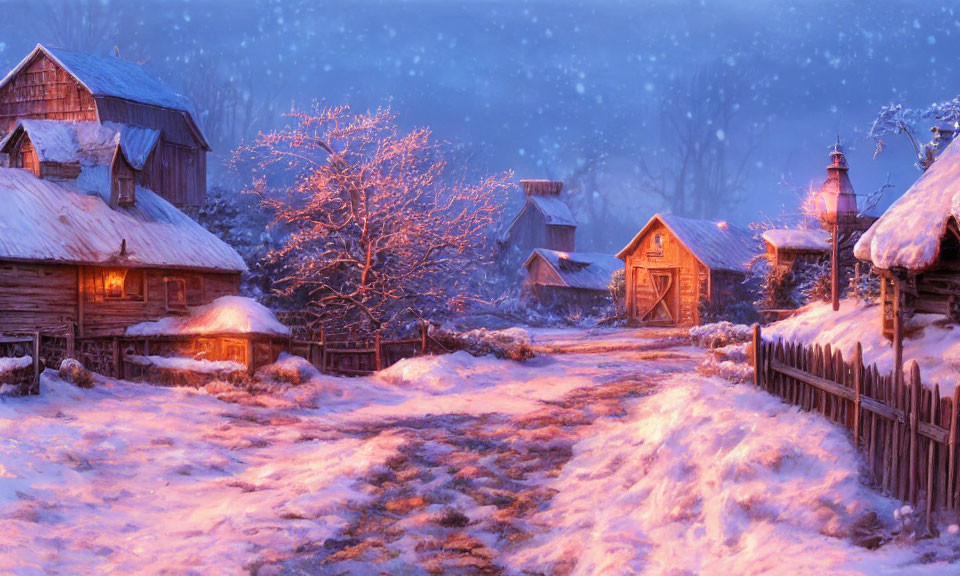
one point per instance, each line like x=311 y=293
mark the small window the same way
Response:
x=175 y=293
x=657 y=249
x=123 y=284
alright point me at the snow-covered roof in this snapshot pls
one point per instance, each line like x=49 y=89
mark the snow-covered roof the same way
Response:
x=908 y=234
x=86 y=142
x=585 y=270
x=225 y=315
x=114 y=77
x=718 y=245
x=72 y=222
x=555 y=210
x=799 y=239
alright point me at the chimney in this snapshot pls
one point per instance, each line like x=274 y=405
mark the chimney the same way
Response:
x=541 y=187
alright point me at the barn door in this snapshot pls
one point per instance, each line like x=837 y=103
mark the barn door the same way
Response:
x=664 y=287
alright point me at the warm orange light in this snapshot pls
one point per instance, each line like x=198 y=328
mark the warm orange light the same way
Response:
x=113 y=283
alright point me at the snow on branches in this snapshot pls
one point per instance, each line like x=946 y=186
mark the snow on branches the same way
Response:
x=372 y=231
x=944 y=117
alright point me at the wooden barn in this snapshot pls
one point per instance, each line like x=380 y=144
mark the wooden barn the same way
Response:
x=88 y=248
x=54 y=84
x=676 y=267
x=915 y=248
x=545 y=221
x=570 y=280
x=787 y=248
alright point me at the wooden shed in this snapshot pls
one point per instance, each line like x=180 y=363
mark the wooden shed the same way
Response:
x=915 y=248
x=787 y=248
x=545 y=221
x=676 y=267
x=570 y=280
x=55 y=84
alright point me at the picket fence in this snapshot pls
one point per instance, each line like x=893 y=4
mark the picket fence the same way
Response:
x=907 y=432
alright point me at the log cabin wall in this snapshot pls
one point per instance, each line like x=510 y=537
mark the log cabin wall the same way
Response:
x=165 y=292
x=44 y=297
x=37 y=297
x=688 y=278
x=44 y=90
x=937 y=290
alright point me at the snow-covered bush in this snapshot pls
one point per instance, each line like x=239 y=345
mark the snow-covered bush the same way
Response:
x=813 y=283
x=720 y=334
x=288 y=369
x=864 y=285
x=512 y=343
x=74 y=372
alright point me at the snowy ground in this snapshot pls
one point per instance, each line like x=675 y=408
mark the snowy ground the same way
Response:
x=932 y=341
x=611 y=455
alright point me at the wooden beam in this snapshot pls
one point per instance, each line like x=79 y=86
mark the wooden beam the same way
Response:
x=835 y=269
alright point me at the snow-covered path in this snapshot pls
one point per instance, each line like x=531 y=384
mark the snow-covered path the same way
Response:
x=609 y=456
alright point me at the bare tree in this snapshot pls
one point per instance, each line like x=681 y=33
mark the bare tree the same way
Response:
x=695 y=170
x=81 y=25
x=372 y=230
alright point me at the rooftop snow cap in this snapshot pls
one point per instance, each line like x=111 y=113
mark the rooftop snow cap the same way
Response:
x=541 y=187
x=909 y=233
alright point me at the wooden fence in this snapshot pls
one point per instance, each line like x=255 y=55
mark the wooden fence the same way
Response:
x=907 y=432
x=28 y=377
x=358 y=357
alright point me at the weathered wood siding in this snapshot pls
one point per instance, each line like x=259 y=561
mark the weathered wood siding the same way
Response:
x=177 y=169
x=44 y=297
x=541 y=273
x=689 y=284
x=530 y=230
x=105 y=316
x=37 y=297
x=44 y=90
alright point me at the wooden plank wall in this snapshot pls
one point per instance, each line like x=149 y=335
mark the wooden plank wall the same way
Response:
x=44 y=90
x=907 y=432
x=674 y=255
x=103 y=316
x=177 y=169
x=37 y=297
x=530 y=231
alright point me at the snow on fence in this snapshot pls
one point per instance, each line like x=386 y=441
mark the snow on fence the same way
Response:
x=20 y=362
x=338 y=355
x=907 y=432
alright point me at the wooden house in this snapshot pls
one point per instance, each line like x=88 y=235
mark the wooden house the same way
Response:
x=87 y=247
x=545 y=221
x=915 y=248
x=676 y=267
x=72 y=254
x=570 y=280
x=54 y=84
x=787 y=248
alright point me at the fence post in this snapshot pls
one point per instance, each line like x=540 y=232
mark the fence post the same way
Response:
x=116 y=359
x=36 y=363
x=323 y=351
x=952 y=455
x=71 y=340
x=378 y=352
x=857 y=362
x=423 y=337
x=756 y=355
x=913 y=423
